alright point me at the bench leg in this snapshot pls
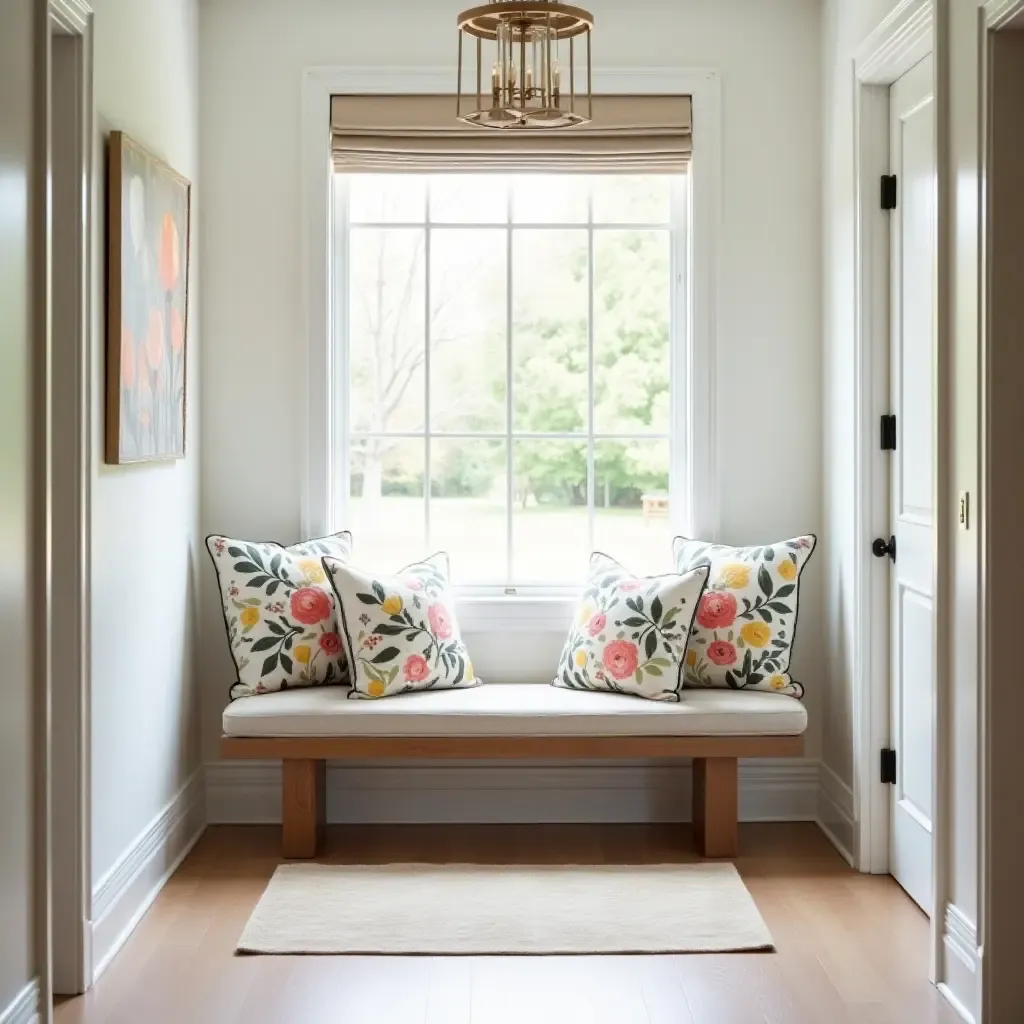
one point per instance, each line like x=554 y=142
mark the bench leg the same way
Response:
x=716 y=806
x=303 y=807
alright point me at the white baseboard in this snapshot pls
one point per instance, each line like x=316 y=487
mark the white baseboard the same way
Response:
x=25 y=1007
x=962 y=962
x=835 y=815
x=249 y=792
x=125 y=893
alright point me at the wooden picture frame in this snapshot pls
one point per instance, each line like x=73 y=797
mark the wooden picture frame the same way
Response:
x=148 y=232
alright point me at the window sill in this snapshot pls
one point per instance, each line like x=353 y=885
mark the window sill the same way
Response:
x=515 y=613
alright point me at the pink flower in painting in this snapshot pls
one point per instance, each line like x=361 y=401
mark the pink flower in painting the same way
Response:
x=155 y=340
x=127 y=357
x=721 y=652
x=310 y=606
x=440 y=621
x=415 y=669
x=412 y=583
x=169 y=257
x=330 y=643
x=597 y=623
x=717 y=609
x=628 y=585
x=620 y=658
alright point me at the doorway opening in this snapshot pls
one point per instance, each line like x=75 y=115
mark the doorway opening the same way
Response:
x=899 y=595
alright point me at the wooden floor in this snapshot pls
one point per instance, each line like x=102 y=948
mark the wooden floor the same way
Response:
x=850 y=948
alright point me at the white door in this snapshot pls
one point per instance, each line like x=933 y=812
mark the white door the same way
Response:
x=912 y=155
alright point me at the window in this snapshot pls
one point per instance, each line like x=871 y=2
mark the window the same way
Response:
x=506 y=347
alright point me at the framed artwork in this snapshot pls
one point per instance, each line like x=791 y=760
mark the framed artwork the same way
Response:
x=147 y=305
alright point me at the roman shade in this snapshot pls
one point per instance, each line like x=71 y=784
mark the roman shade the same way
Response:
x=629 y=134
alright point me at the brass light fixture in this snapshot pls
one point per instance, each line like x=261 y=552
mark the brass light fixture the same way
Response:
x=526 y=86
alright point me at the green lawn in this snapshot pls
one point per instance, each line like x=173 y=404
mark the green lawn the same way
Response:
x=550 y=542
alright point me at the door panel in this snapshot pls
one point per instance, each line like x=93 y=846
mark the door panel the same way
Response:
x=912 y=153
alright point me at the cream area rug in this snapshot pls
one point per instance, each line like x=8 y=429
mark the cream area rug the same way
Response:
x=498 y=909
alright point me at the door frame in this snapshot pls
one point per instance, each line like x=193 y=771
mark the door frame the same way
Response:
x=899 y=43
x=70 y=418
x=1000 y=700
x=902 y=40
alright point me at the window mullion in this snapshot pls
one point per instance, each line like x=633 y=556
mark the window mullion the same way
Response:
x=509 y=453
x=426 y=366
x=591 y=459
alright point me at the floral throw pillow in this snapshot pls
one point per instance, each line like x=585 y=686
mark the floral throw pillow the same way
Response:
x=631 y=631
x=279 y=612
x=400 y=631
x=743 y=635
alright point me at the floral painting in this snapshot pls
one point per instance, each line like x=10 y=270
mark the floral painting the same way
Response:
x=630 y=633
x=147 y=305
x=400 y=630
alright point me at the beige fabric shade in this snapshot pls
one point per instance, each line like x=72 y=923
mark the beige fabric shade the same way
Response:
x=629 y=134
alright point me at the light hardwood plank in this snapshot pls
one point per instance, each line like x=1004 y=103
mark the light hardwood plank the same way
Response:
x=851 y=949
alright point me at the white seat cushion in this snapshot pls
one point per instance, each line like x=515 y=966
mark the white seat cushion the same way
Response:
x=514 y=709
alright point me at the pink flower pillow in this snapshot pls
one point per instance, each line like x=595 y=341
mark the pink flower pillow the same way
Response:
x=630 y=633
x=399 y=631
x=279 y=612
x=743 y=636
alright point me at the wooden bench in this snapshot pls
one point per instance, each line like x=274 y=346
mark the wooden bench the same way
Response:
x=306 y=728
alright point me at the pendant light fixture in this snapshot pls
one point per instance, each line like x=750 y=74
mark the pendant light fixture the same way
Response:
x=526 y=52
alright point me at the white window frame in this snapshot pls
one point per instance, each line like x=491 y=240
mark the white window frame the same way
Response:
x=693 y=362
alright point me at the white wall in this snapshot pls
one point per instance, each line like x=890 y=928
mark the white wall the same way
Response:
x=145 y=542
x=769 y=363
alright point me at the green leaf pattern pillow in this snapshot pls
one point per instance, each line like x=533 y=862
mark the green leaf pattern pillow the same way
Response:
x=743 y=634
x=630 y=633
x=400 y=631
x=279 y=612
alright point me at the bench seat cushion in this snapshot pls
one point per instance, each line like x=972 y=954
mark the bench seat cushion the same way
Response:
x=515 y=709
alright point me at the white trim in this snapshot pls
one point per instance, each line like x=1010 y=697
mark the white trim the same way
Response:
x=835 y=816
x=24 y=1009
x=127 y=890
x=73 y=16
x=249 y=792
x=962 y=960
x=319 y=83
x=902 y=40
x=71 y=412
x=999 y=14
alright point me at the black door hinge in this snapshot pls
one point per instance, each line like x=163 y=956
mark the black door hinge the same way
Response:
x=888 y=191
x=888 y=766
x=888 y=433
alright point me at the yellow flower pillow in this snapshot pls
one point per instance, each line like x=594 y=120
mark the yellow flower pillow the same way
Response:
x=279 y=612
x=742 y=637
x=630 y=633
x=399 y=631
